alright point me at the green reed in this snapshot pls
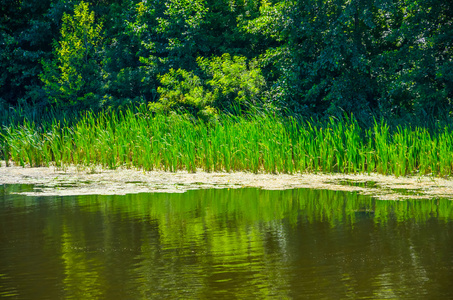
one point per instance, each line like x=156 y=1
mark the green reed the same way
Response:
x=261 y=143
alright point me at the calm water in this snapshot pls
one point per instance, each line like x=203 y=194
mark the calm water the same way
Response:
x=224 y=244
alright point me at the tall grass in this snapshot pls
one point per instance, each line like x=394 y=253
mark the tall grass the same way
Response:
x=260 y=143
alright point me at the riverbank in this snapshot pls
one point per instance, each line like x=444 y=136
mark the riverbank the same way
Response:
x=72 y=180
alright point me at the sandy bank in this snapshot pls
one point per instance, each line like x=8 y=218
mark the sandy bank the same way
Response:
x=72 y=180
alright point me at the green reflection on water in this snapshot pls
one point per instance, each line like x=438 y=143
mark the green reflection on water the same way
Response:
x=244 y=243
x=250 y=205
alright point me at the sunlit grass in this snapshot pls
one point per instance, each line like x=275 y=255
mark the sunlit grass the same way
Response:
x=262 y=143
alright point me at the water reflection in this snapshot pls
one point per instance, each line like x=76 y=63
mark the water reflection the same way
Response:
x=245 y=243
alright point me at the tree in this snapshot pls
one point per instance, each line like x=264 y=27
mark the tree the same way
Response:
x=25 y=31
x=130 y=65
x=321 y=53
x=423 y=60
x=72 y=78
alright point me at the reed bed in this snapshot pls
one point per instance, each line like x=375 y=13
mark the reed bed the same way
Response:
x=262 y=143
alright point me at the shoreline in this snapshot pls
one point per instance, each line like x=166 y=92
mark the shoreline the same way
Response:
x=73 y=180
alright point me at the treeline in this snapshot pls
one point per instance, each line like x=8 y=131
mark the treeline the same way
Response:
x=385 y=58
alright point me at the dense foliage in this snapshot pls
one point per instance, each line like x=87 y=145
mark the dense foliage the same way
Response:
x=390 y=58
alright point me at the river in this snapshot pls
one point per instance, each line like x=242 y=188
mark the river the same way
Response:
x=224 y=244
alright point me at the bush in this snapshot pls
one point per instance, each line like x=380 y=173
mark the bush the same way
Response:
x=228 y=83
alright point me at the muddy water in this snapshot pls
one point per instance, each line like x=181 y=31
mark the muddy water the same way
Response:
x=224 y=244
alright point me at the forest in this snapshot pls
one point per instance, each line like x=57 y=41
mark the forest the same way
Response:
x=317 y=85
x=371 y=58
